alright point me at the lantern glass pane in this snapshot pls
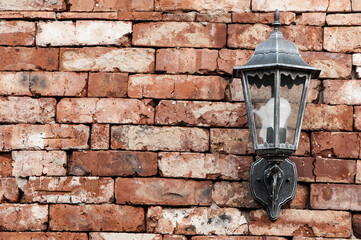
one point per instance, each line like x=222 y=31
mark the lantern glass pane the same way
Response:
x=261 y=93
x=291 y=89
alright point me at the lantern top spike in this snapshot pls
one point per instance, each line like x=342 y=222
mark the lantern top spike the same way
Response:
x=277 y=23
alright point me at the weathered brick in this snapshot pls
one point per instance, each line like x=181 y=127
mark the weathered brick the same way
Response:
x=234 y=141
x=358 y=172
x=107 y=59
x=292 y=5
x=294 y=222
x=303 y=145
x=315 y=238
x=179 y=34
x=333 y=65
x=203 y=5
x=356 y=59
x=335 y=170
x=39 y=163
x=23 y=217
x=17 y=33
x=195 y=113
x=107 y=84
x=140 y=16
x=179 y=16
x=110 y=5
x=27 y=110
x=356 y=221
x=157 y=138
x=22 y=58
x=220 y=17
x=186 y=60
x=236 y=238
x=233 y=194
x=305 y=168
x=96 y=218
x=113 y=163
x=83 y=33
x=304 y=37
x=342 y=39
x=356 y=6
x=163 y=191
x=32 y=5
x=104 y=110
x=176 y=87
x=335 y=196
x=266 y=18
x=87 y=15
x=6 y=167
x=14 y=83
x=326 y=117
x=100 y=136
x=196 y=221
x=9 y=191
x=228 y=59
x=42 y=236
x=335 y=144
x=246 y=35
x=358 y=72
x=27 y=15
x=342 y=92
x=312 y=18
x=125 y=236
x=300 y=200
x=68 y=190
x=209 y=166
x=343 y=19
x=55 y=136
x=339 y=6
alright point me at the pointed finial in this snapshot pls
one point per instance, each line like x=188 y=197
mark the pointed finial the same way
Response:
x=277 y=23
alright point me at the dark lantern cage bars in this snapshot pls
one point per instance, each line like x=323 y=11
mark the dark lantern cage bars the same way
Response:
x=275 y=84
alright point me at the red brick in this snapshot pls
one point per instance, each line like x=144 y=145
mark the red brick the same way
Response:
x=305 y=168
x=303 y=145
x=179 y=16
x=246 y=35
x=14 y=83
x=333 y=65
x=294 y=222
x=58 y=83
x=236 y=238
x=304 y=37
x=100 y=136
x=356 y=222
x=335 y=196
x=220 y=17
x=6 y=168
x=343 y=19
x=342 y=39
x=27 y=110
x=83 y=33
x=113 y=163
x=104 y=110
x=234 y=141
x=42 y=236
x=228 y=59
x=179 y=34
x=17 y=33
x=335 y=170
x=186 y=60
x=27 y=15
x=110 y=5
x=140 y=16
x=329 y=118
x=209 y=166
x=300 y=201
x=21 y=217
x=291 y=5
x=96 y=218
x=339 y=6
x=49 y=137
x=22 y=58
x=154 y=138
x=68 y=190
x=203 y=5
x=125 y=236
x=196 y=221
x=9 y=191
x=201 y=114
x=87 y=15
x=39 y=163
x=266 y=18
x=312 y=18
x=335 y=144
x=233 y=194
x=108 y=84
x=176 y=87
x=107 y=59
x=162 y=191
x=342 y=92
x=358 y=172
x=33 y=5
x=356 y=6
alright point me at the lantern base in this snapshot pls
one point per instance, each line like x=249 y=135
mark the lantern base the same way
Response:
x=273 y=183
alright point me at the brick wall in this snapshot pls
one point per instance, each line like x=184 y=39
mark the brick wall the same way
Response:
x=120 y=120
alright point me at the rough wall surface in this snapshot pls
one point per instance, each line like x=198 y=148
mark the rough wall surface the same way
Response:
x=120 y=120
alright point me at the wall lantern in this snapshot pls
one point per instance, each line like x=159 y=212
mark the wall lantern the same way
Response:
x=275 y=83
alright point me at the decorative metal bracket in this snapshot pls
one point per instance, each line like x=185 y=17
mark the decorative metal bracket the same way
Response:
x=273 y=183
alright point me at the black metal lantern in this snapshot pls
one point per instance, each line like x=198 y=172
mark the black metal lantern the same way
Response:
x=275 y=83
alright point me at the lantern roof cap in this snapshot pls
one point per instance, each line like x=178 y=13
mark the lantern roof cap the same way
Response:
x=276 y=52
